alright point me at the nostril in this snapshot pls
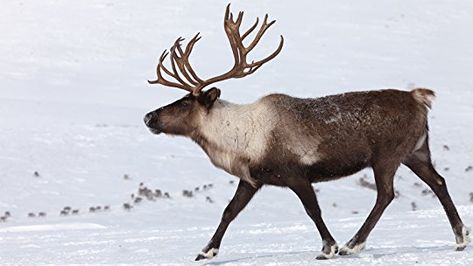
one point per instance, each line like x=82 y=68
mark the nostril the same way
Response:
x=147 y=118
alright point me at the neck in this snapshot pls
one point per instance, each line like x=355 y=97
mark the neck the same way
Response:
x=221 y=126
x=232 y=132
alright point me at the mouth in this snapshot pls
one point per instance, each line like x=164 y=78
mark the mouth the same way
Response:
x=154 y=131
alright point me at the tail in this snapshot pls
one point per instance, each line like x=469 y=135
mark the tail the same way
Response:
x=423 y=96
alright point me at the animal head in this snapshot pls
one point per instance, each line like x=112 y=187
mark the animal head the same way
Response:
x=182 y=116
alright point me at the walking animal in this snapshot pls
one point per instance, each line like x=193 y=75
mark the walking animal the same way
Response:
x=292 y=142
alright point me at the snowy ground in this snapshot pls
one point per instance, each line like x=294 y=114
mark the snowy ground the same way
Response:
x=73 y=94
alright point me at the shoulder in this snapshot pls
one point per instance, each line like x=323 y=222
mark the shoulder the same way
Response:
x=275 y=97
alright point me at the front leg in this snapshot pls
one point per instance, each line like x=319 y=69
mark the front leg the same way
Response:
x=243 y=195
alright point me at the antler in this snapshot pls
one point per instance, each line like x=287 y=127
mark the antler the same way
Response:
x=186 y=78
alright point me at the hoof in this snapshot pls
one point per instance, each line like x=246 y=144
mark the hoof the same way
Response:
x=464 y=239
x=345 y=250
x=328 y=252
x=207 y=255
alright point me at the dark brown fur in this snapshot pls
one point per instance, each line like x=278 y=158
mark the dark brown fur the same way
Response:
x=369 y=126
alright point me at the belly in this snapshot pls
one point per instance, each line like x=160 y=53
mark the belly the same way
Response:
x=334 y=169
x=275 y=172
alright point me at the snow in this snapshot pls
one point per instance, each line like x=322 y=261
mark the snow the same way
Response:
x=51 y=227
x=73 y=95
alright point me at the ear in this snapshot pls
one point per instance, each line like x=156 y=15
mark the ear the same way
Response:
x=210 y=96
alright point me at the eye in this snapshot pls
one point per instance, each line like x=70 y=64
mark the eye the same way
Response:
x=185 y=103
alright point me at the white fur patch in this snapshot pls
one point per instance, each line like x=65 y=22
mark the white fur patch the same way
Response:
x=420 y=142
x=210 y=254
x=331 y=254
x=356 y=249
x=465 y=240
x=240 y=134
x=237 y=131
x=240 y=128
x=306 y=150
x=423 y=96
x=301 y=141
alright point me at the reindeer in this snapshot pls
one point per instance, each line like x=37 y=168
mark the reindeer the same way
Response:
x=292 y=142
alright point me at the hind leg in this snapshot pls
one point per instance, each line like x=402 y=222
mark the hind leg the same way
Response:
x=384 y=171
x=420 y=163
x=307 y=196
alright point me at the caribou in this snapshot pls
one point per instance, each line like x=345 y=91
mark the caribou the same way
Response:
x=292 y=142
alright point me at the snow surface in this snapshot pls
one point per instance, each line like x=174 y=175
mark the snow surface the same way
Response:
x=73 y=93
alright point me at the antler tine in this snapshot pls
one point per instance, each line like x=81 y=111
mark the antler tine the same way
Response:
x=227 y=12
x=271 y=56
x=181 y=60
x=163 y=55
x=161 y=59
x=229 y=29
x=174 y=63
x=161 y=65
x=260 y=33
x=177 y=44
x=248 y=32
x=158 y=68
x=239 y=19
x=189 y=48
x=161 y=80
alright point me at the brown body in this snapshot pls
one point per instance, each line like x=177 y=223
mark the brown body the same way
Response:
x=347 y=133
x=317 y=139
x=291 y=142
